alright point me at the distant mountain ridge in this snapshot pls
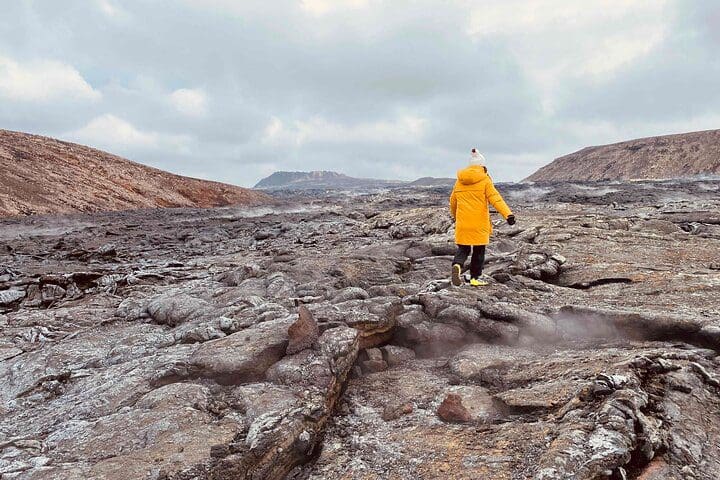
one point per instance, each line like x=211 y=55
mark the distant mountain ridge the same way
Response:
x=333 y=180
x=318 y=180
x=432 y=182
x=41 y=175
x=663 y=157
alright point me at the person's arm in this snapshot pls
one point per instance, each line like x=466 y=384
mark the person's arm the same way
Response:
x=497 y=201
x=453 y=204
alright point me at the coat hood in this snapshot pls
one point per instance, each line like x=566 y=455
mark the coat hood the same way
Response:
x=472 y=174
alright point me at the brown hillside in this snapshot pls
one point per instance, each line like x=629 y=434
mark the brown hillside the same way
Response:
x=669 y=156
x=44 y=175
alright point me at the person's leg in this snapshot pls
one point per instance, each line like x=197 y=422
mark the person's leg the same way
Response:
x=460 y=256
x=477 y=260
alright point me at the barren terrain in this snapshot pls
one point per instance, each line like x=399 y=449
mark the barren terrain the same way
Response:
x=43 y=175
x=682 y=155
x=322 y=340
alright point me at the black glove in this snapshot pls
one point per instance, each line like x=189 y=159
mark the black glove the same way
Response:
x=511 y=219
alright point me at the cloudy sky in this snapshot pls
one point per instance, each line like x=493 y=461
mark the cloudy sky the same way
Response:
x=233 y=90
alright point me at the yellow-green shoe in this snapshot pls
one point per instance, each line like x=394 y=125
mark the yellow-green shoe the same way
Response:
x=476 y=282
x=456 y=275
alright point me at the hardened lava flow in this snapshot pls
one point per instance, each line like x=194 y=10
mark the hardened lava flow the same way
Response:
x=323 y=340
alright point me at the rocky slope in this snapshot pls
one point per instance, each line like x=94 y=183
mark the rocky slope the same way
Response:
x=323 y=340
x=665 y=157
x=319 y=180
x=44 y=175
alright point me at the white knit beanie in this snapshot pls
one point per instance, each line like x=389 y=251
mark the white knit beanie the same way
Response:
x=476 y=158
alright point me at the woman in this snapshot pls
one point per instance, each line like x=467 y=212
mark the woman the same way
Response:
x=469 y=200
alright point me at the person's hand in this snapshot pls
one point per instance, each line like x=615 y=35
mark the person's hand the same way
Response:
x=511 y=219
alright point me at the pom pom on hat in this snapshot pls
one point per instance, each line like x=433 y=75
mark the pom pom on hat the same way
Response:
x=476 y=158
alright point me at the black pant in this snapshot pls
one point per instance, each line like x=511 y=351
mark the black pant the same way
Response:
x=477 y=260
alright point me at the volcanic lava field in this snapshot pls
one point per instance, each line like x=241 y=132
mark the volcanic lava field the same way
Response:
x=319 y=338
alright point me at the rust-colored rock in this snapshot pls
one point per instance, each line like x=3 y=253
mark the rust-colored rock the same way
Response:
x=42 y=175
x=452 y=410
x=303 y=333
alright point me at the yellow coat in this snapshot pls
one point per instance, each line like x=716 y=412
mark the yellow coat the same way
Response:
x=469 y=206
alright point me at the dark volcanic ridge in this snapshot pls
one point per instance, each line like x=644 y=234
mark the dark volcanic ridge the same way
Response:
x=329 y=180
x=432 y=182
x=669 y=156
x=44 y=175
x=317 y=180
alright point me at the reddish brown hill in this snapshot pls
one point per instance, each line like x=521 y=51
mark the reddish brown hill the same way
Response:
x=669 y=156
x=44 y=175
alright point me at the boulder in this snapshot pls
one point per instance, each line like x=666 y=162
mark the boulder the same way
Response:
x=303 y=333
x=350 y=293
x=487 y=363
x=484 y=329
x=374 y=366
x=374 y=318
x=430 y=339
x=243 y=356
x=8 y=297
x=175 y=309
x=452 y=410
x=395 y=355
x=536 y=325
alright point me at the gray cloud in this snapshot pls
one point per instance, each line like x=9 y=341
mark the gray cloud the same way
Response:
x=385 y=89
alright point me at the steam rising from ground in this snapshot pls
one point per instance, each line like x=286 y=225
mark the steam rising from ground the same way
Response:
x=529 y=194
x=708 y=187
x=253 y=212
x=589 y=191
x=586 y=326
